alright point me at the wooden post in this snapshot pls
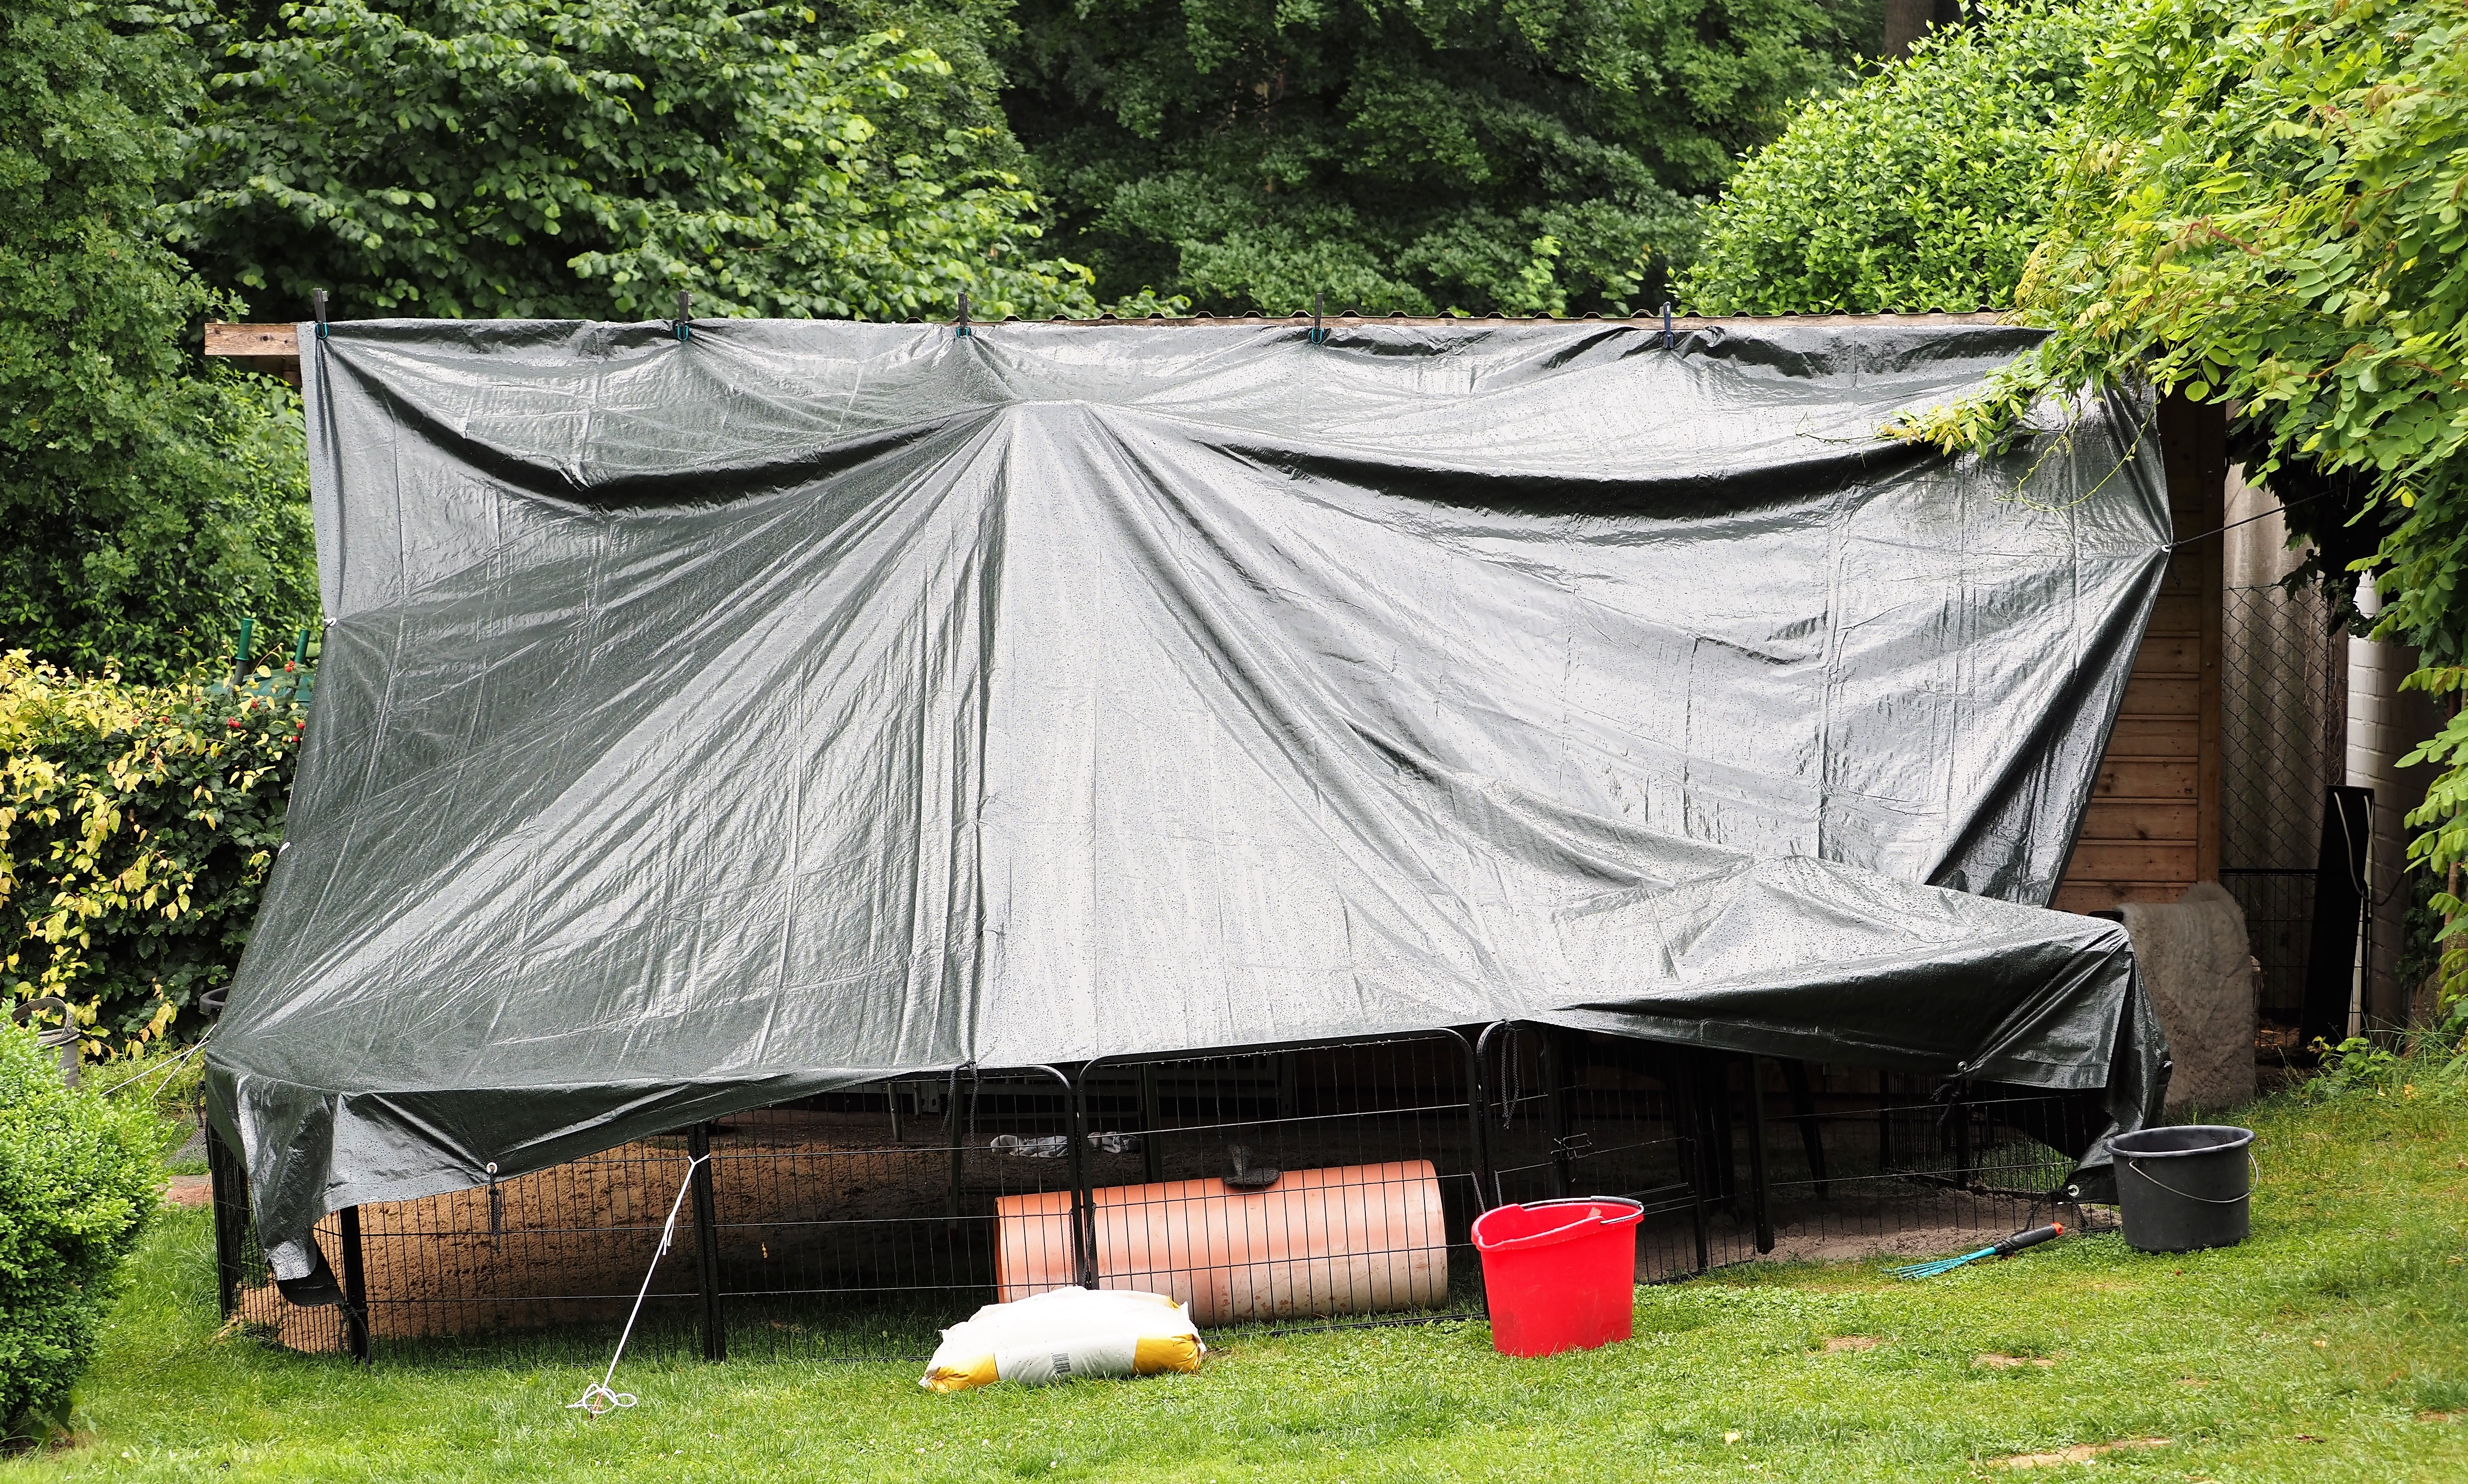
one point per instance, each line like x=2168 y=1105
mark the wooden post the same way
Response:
x=1803 y=1112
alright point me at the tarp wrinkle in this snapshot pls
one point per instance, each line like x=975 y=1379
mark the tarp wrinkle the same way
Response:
x=708 y=723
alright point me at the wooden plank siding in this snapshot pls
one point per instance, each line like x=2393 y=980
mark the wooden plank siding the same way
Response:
x=2152 y=828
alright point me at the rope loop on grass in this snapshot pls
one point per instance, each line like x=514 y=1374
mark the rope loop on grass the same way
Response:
x=600 y=1400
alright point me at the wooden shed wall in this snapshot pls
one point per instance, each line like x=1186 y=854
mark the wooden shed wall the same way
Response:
x=2152 y=828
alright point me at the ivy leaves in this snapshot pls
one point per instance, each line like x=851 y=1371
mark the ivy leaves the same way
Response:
x=2265 y=203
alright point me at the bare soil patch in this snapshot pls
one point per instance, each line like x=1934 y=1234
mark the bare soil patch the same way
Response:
x=2080 y=1452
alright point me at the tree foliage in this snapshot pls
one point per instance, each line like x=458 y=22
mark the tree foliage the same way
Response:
x=137 y=824
x=149 y=502
x=2267 y=204
x=1925 y=186
x=1520 y=158
x=591 y=158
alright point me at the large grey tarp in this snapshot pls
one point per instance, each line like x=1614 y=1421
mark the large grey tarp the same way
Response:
x=712 y=721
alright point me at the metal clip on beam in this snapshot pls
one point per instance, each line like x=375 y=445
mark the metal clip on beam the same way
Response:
x=682 y=323
x=317 y=302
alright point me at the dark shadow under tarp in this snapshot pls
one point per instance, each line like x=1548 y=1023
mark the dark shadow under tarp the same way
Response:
x=705 y=723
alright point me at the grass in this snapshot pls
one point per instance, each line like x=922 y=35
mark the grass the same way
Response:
x=2331 y=1346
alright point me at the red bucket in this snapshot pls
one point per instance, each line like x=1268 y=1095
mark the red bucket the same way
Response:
x=1560 y=1275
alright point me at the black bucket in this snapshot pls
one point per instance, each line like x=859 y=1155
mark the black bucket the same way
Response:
x=2186 y=1187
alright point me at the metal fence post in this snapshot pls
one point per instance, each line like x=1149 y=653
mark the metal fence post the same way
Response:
x=1695 y=1197
x=714 y=1320
x=1555 y=1107
x=1757 y=1195
x=1486 y=1177
x=951 y=1136
x=356 y=1289
x=1960 y=1112
x=1083 y=1199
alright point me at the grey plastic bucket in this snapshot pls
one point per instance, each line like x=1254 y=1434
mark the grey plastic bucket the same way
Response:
x=2186 y=1187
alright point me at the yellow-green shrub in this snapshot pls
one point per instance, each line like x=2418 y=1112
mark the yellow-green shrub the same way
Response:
x=136 y=827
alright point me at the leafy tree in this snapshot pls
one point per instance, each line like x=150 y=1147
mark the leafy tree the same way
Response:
x=1453 y=153
x=590 y=158
x=148 y=503
x=2267 y=204
x=1925 y=186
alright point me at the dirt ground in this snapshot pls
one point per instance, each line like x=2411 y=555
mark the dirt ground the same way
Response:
x=1918 y=1222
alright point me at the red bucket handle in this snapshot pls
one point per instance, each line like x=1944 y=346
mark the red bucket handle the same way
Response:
x=1622 y=1211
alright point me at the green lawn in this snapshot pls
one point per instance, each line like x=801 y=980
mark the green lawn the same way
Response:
x=2330 y=1347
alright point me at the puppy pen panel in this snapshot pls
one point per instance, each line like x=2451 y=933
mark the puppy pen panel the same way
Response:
x=1286 y=1187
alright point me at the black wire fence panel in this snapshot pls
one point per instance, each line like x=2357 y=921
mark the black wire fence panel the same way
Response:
x=1291 y=1187
x=1738 y=1160
x=854 y=1226
x=1316 y=1184
x=2283 y=740
x=244 y=1280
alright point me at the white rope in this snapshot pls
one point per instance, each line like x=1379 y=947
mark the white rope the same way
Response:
x=196 y=1046
x=600 y=1400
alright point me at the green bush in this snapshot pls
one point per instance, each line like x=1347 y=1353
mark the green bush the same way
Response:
x=1926 y=187
x=79 y=1179
x=137 y=824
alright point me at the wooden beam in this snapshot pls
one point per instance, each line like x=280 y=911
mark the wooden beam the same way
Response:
x=273 y=349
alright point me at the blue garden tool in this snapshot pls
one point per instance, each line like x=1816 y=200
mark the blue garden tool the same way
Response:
x=2005 y=1248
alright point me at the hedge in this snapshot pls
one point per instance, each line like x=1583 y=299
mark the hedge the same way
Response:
x=137 y=824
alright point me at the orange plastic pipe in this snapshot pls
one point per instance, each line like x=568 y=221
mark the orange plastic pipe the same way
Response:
x=1355 y=1238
